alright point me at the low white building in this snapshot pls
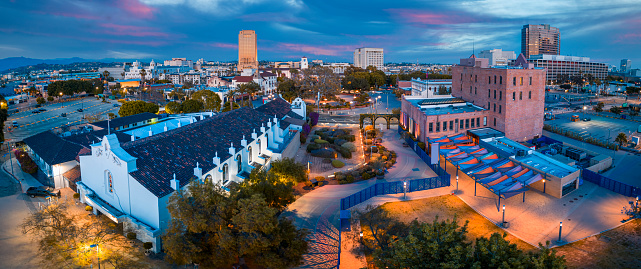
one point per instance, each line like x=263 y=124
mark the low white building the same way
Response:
x=429 y=88
x=498 y=57
x=131 y=182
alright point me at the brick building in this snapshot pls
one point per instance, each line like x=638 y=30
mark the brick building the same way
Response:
x=509 y=99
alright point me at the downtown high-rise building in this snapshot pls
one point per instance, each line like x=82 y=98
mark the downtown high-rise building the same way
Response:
x=540 y=39
x=625 y=65
x=364 y=57
x=247 y=50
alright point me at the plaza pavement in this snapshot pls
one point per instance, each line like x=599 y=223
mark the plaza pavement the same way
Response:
x=16 y=250
x=587 y=211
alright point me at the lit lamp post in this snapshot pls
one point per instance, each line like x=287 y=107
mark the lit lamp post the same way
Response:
x=504 y=224
x=361 y=237
x=457 y=183
x=560 y=228
x=404 y=190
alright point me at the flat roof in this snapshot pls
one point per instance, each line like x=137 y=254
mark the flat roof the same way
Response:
x=486 y=132
x=440 y=101
x=451 y=109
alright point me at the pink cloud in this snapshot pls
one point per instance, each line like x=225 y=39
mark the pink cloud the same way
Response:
x=430 y=18
x=72 y=15
x=136 y=8
x=332 y=50
x=631 y=38
x=130 y=30
x=224 y=45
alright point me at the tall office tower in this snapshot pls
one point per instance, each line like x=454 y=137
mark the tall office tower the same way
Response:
x=247 y=50
x=364 y=57
x=625 y=65
x=540 y=39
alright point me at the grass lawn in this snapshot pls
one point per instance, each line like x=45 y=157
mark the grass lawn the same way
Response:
x=445 y=207
x=617 y=248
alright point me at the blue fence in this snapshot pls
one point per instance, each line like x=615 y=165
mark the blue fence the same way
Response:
x=611 y=184
x=396 y=187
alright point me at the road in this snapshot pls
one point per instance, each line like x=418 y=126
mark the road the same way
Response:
x=32 y=123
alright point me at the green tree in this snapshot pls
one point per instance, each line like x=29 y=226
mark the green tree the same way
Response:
x=215 y=228
x=250 y=89
x=50 y=98
x=137 y=107
x=192 y=106
x=211 y=101
x=442 y=90
x=173 y=108
x=106 y=75
x=319 y=80
x=288 y=170
x=227 y=106
x=177 y=94
x=278 y=194
x=40 y=100
x=599 y=107
x=621 y=139
x=615 y=110
x=287 y=88
x=63 y=238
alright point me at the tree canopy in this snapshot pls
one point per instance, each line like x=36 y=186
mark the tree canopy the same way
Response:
x=192 y=106
x=287 y=88
x=71 y=87
x=216 y=228
x=210 y=100
x=173 y=108
x=288 y=170
x=319 y=80
x=137 y=107
x=445 y=244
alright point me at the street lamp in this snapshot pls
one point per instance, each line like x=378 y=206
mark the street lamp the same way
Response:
x=457 y=183
x=560 y=228
x=404 y=190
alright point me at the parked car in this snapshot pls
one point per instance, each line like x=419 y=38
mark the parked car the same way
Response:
x=35 y=191
x=587 y=119
x=35 y=112
x=79 y=109
x=15 y=123
x=116 y=105
x=42 y=109
x=63 y=115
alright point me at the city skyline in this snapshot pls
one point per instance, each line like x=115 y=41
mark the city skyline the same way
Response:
x=330 y=31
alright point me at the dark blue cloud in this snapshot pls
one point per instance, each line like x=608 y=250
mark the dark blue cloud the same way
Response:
x=424 y=31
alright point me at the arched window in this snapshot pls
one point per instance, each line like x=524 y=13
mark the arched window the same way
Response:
x=239 y=160
x=225 y=173
x=209 y=178
x=249 y=154
x=109 y=182
x=259 y=149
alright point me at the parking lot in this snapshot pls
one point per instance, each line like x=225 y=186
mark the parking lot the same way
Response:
x=598 y=127
x=29 y=123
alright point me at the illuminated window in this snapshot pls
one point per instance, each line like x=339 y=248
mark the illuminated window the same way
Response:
x=109 y=182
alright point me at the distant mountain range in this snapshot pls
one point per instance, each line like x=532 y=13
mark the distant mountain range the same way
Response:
x=14 y=62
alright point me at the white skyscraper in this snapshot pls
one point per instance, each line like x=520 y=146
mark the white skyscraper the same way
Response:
x=364 y=57
x=303 y=63
x=498 y=57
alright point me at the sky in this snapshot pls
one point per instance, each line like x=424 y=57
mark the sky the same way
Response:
x=330 y=30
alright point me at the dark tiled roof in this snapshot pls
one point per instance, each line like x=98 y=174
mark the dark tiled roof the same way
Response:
x=73 y=175
x=122 y=121
x=278 y=107
x=267 y=74
x=177 y=151
x=243 y=78
x=86 y=139
x=294 y=121
x=293 y=114
x=51 y=148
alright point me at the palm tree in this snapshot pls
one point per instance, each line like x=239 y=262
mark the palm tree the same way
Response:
x=230 y=94
x=621 y=139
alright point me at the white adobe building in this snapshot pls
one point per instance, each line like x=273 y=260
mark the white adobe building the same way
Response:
x=131 y=182
x=429 y=88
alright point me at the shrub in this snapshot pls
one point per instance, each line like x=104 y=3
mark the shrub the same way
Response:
x=349 y=145
x=131 y=236
x=26 y=163
x=147 y=245
x=368 y=141
x=306 y=129
x=327 y=160
x=324 y=153
x=339 y=176
x=76 y=196
x=89 y=208
x=319 y=178
x=374 y=149
x=339 y=141
x=331 y=140
x=349 y=178
x=313 y=116
x=366 y=176
x=421 y=145
x=345 y=153
x=320 y=141
x=314 y=137
x=348 y=137
x=312 y=146
x=303 y=138
x=337 y=164
x=321 y=183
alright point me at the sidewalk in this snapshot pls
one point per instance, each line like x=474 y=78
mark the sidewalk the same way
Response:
x=23 y=179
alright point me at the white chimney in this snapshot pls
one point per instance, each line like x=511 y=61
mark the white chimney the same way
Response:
x=133 y=137
x=174 y=183
x=243 y=142
x=275 y=119
x=262 y=128
x=165 y=127
x=217 y=159
x=150 y=132
x=269 y=123
x=198 y=172
x=179 y=124
x=232 y=150
x=254 y=134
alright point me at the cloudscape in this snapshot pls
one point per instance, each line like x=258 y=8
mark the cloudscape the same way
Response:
x=411 y=31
